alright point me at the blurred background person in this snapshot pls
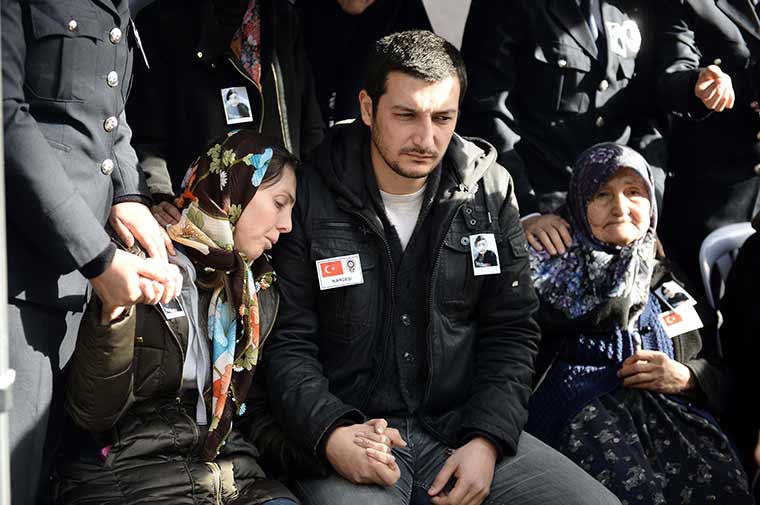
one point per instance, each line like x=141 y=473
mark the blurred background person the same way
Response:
x=196 y=49
x=550 y=79
x=708 y=54
x=338 y=35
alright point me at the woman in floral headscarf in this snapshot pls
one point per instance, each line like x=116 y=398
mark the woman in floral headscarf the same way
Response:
x=156 y=394
x=624 y=390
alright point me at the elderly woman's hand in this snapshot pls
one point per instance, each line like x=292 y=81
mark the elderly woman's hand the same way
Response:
x=655 y=371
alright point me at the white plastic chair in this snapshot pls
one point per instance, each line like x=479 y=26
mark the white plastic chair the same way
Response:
x=719 y=249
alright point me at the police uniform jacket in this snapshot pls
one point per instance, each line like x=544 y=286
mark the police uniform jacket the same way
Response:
x=715 y=157
x=66 y=75
x=542 y=90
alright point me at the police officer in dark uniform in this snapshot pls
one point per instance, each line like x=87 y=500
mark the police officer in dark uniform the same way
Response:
x=551 y=78
x=710 y=81
x=68 y=164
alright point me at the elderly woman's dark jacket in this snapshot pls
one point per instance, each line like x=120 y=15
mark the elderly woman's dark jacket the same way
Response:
x=178 y=101
x=697 y=349
x=124 y=390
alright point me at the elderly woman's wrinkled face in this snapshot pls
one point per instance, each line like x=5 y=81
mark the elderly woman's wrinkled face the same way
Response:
x=619 y=212
x=266 y=216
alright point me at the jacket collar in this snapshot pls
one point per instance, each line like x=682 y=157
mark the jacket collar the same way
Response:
x=570 y=16
x=741 y=13
x=119 y=8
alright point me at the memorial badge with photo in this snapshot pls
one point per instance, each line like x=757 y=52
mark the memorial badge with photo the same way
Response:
x=674 y=296
x=485 y=255
x=237 y=105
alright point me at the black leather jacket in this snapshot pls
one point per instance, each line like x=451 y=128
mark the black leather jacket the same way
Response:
x=325 y=354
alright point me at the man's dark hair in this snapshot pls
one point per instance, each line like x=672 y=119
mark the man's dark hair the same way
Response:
x=230 y=93
x=417 y=53
x=479 y=239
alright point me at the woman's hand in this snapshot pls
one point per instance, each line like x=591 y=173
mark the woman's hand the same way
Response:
x=655 y=371
x=166 y=214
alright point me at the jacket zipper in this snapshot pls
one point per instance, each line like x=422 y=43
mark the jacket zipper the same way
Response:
x=389 y=263
x=216 y=473
x=257 y=86
x=429 y=305
x=281 y=108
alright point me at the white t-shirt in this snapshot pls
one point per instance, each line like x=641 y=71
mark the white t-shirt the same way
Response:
x=403 y=211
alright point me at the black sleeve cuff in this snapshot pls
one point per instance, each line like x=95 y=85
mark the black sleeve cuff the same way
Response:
x=100 y=263
x=321 y=448
x=133 y=198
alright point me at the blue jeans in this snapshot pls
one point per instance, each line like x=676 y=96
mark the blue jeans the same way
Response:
x=536 y=475
x=280 y=501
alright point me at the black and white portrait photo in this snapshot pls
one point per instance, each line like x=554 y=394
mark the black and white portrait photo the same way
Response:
x=237 y=105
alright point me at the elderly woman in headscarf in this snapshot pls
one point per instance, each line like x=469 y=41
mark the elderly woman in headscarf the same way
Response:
x=626 y=399
x=156 y=395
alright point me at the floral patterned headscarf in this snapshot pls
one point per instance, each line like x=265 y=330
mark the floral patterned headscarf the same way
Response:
x=590 y=273
x=216 y=189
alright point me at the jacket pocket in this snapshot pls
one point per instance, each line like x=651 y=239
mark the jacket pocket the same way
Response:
x=458 y=288
x=61 y=61
x=348 y=311
x=564 y=67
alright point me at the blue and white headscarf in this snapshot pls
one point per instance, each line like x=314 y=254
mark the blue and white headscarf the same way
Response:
x=591 y=272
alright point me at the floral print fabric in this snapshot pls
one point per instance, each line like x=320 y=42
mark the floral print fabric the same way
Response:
x=246 y=44
x=651 y=449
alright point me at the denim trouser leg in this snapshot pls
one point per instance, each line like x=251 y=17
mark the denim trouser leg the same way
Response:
x=536 y=475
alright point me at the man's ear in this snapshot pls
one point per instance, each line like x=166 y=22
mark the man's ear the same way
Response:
x=365 y=105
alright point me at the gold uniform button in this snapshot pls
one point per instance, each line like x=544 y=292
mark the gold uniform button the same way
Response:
x=199 y=55
x=107 y=166
x=758 y=136
x=110 y=124
x=757 y=169
x=717 y=61
x=599 y=121
x=604 y=85
x=115 y=35
x=73 y=25
x=562 y=63
x=112 y=79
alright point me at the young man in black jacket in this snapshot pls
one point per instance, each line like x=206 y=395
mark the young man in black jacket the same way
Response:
x=384 y=317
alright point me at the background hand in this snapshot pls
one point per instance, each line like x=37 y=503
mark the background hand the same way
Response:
x=473 y=466
x=166 y=214
x=549 y=232
x=655 y=371
x=132 y=220
x=715 y=89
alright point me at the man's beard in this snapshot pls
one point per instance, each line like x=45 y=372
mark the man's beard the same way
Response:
x=394 y=165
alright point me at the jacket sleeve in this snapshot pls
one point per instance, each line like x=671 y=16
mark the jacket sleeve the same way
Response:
x=44 y=205
x=490 y=50
x=507 y=341
x=678 y=61
x=128 y=179
x=299 y=391
x=148 y=108
x=312 y=124
x=99 y=375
